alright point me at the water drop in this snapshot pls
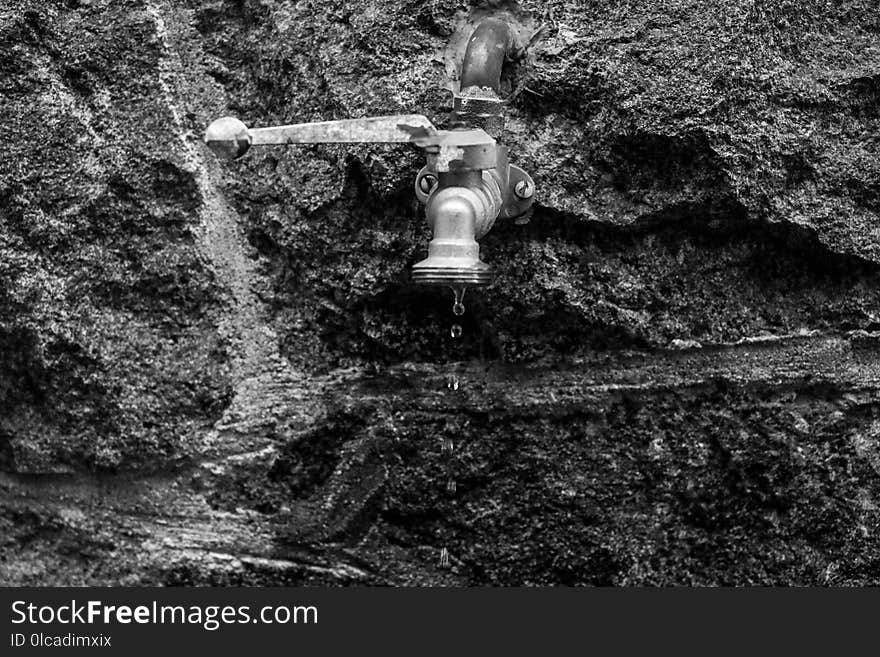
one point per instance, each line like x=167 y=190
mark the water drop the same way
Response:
x=455 y=331
x=444 y=558
x=458 y=302
x=452 y=382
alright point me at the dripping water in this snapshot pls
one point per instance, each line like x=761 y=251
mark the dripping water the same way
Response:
x=455 y=331
x=458 y=300
x=452 y=383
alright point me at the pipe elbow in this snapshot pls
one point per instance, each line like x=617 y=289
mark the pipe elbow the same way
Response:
x=491 y=43
x=453 y=212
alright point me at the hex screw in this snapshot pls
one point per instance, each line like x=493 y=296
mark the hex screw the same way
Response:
x=524 y=190
x=427 y=183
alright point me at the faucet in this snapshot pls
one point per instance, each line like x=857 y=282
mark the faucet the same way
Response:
x=467 y=182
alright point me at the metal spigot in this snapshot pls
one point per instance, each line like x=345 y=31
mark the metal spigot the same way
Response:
x=467 y=182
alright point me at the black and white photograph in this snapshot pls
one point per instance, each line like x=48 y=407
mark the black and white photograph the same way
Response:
x=444 y=293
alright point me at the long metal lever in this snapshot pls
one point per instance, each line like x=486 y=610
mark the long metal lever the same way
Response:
x=229 y=138
x=378 y=129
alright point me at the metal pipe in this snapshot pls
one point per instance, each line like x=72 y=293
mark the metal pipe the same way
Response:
x=489 y=46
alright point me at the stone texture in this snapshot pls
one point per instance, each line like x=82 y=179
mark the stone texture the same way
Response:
x=218 y=373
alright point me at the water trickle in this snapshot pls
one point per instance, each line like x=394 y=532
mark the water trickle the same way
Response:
x=458 y=301
x=452 y=383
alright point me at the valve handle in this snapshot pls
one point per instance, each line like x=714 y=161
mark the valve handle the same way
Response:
x=377 y=129
x=229 y=138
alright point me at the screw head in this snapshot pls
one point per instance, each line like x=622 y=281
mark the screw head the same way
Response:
x=524 y=189
x=427 y=183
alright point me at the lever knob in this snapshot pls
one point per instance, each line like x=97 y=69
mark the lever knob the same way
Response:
x=228 y=137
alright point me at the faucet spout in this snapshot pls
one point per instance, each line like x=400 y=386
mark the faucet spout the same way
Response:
x=458 y=213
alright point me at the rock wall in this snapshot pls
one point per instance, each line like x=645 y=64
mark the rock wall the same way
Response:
x=219 y=373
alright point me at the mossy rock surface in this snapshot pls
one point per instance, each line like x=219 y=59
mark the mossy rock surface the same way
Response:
x=220 y=373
